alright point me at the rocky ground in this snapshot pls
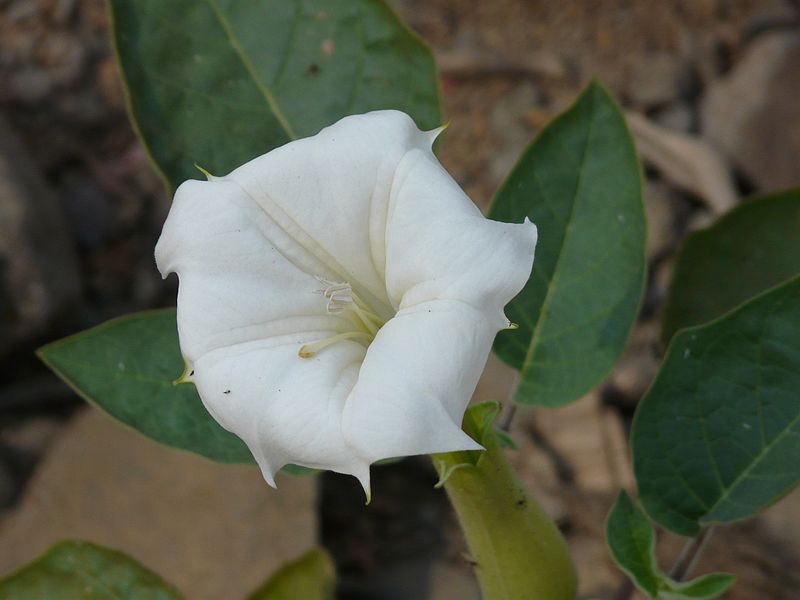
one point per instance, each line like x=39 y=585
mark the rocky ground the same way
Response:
x=711 y=87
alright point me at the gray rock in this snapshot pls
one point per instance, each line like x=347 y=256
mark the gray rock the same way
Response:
x=31 y=436
x=508 y=124
x=39 y=277
x=678 y=116
x=8 y=486
x=639 y=364
x=656 y=79
x=22 y=9
x=29 y=85
x=63 y=11
x=661 y=203
x=215 y=531
x=753 y=114
x=63 y=55
x=88 y=210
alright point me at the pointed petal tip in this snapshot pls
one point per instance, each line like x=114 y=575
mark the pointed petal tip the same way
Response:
x=164 y=272
x=472 y=444
x=208 y=175
x=533 y=231
x=267 y=472
x=163 y=264
x=434 y=133
x=362 y=475
x=270 y=480
x=187 y=376
x=459 y=441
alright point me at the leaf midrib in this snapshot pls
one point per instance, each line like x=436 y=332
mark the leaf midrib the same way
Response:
x=94 y=580
x=526 y=363
x=746 y=472
x=645 y=555
x=233 y=40
x=727 y=491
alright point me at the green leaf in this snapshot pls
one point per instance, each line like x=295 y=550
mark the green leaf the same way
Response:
x=717 y=437
x=128 y=367
x=751 y=249
x=505 y=439
x=311 y=577
x=704 y=588
x=580 y=183
x=75 y=570
x=630 y=539
x=478 y=423
x=479 y=420
x=218 y=82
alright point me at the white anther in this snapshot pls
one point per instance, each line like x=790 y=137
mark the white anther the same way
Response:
x=339 y=295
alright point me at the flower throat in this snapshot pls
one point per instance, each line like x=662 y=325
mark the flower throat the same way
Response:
x=342 y=300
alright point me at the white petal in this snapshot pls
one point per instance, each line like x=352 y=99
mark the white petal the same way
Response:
x=363 y=203
x=244 y=311
x=416 y=381
x=238 y=279
x=440 y=246
x=285 y=408
x=331 y=192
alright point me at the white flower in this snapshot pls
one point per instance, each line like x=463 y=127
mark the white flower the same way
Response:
x=339 y=296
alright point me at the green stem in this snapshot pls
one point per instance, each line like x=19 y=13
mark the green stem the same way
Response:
x=518 y=550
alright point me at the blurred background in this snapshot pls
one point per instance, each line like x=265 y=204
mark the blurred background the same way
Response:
x=713 y=90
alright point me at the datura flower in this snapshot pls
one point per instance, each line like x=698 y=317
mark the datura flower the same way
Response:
x=339 y=295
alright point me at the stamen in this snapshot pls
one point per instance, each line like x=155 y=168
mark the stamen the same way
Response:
x=339 y=295
x=309 y=350
x=365 y=312
x=367 y=319
x=342 y=300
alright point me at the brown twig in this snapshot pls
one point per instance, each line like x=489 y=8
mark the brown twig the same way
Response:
x=625 y=591
x=565 y=472
x=465 y=64
x=508 y=417
x=688 y=557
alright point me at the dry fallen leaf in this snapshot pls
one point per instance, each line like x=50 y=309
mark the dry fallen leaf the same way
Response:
x=686 y=161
